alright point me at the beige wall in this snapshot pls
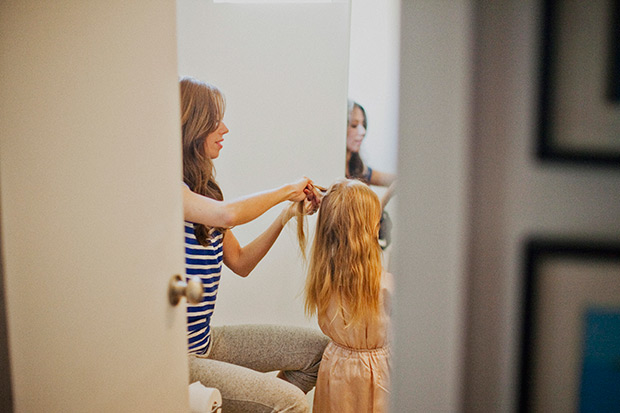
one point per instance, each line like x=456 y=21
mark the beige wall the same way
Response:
x=516 y=196
x=283 y=69
x=475 y=192
x=435 y=85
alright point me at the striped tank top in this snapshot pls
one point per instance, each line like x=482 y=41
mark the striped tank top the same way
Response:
x=205 y=262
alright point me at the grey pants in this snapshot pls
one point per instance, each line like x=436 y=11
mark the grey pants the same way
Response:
x=241 y=355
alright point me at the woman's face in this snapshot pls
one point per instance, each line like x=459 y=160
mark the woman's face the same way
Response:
x=213 y=142
x=356 y=131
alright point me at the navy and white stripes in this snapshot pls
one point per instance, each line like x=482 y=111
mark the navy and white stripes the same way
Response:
x=205 y=262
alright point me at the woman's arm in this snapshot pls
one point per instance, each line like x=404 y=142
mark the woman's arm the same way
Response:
x=379 y=178
x=388 y=195
x=210 y=212
x=242 y=260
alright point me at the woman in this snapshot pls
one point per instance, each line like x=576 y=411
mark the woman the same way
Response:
x=356 y=169
x=234 y=359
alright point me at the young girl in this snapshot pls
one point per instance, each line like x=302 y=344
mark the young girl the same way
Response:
x=349 y=291
x=234 y=359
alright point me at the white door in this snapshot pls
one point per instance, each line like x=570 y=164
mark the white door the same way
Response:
x=91 y=205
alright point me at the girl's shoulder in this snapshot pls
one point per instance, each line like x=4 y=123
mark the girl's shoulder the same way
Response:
x=387 y=290
x=387 y=281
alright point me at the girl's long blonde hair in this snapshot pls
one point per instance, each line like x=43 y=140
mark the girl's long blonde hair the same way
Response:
x=202 y=109
x=345 y=260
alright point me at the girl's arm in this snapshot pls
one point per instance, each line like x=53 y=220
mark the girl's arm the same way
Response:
x=225 y=214
x=242 y=260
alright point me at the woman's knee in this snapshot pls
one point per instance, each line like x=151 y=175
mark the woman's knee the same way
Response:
x=296 y=403
x=290 y=400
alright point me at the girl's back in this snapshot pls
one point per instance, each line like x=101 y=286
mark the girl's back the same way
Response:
x=355 y=373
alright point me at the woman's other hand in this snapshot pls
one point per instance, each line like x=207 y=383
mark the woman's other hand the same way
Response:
x=310 y=205
x=288 y=212
x=313 y=199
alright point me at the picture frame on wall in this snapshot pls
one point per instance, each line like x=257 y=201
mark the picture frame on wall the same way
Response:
x=579 y=113
x=570 y=349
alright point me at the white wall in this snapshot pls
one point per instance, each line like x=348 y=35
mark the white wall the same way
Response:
x=283 y=70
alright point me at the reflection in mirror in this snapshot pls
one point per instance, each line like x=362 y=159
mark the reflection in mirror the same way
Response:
x=373 y=85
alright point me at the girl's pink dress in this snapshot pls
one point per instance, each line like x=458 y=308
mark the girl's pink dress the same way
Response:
x=354 y=375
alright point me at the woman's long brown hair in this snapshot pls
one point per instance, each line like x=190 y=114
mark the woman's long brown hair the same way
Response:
x=345 y=261
x=355 y=166
x=202 y=109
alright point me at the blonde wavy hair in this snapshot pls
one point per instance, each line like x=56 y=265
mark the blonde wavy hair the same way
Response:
x=345 y=259
x=202 y=110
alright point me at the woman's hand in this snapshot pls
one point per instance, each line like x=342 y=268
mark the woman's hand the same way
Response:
x=293 y=208
x=305 y=190
x=288 y=212
x=297 y=190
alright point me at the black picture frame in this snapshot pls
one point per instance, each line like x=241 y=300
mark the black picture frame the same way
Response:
x=564 y=279
x=613 y=91
x=579 y=107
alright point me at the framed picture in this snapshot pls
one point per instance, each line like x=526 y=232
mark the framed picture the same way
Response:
x=570 y=350
x=580 y=82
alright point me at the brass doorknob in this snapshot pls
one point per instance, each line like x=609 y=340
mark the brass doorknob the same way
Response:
x=178 y=287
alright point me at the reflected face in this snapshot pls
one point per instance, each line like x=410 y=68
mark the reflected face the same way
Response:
x=213 y=142
x=355 y=130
